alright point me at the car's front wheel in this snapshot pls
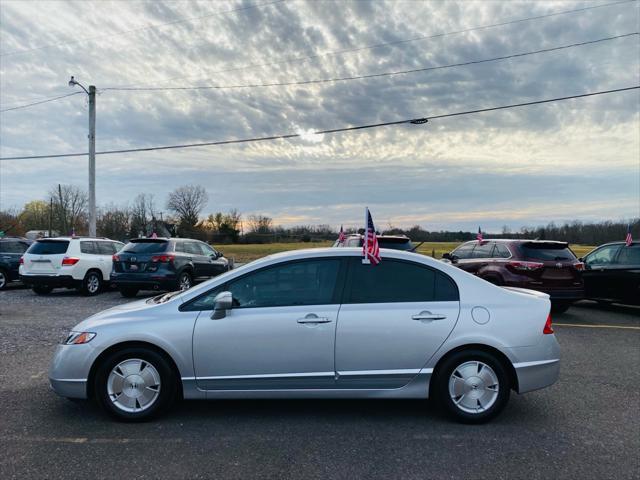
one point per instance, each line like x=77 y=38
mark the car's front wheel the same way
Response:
x=4 y=279
x=185 y=282
x=472 y=385
x=135 y=384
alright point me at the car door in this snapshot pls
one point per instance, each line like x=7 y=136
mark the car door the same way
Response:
x=91 y=258
x=10 y=253
x=215 y=263
x=200 y=262
x=625 y=275
x=280 y=334
x=598 y=274
x=463 y=256
x=394 y=317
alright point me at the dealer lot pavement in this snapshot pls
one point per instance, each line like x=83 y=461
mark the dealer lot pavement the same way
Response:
x=585 y=426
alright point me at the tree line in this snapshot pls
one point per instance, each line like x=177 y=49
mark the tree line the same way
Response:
x=64 y=212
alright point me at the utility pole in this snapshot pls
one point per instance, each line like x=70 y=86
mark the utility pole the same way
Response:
x=92 y=153
x=92 y=161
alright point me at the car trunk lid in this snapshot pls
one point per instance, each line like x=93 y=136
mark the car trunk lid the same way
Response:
x=141 y=255
x=45 y=257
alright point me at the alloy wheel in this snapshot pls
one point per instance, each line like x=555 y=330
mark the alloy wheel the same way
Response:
x=93 y=283
x=3 y=280
x=474 y=387
x=133 y=385
x=185 y=281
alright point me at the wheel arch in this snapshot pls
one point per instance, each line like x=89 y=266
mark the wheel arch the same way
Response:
x=131 y=344
x=513 y=377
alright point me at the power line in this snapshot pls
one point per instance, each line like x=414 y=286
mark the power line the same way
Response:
x=398 y=42
x=374 y=75
x=415 y=121
x=46 y=100
x=139 y=29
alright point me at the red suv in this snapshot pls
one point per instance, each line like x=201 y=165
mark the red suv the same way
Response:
x=546 y=266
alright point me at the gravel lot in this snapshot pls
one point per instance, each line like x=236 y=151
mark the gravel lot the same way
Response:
x=585 y=426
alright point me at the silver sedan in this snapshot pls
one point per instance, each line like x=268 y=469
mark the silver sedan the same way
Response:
x=317 y=324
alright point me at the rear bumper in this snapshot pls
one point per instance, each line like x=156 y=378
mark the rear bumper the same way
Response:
x=55 y=281
x=144 y=281
x=537 y=366
x=570 y=295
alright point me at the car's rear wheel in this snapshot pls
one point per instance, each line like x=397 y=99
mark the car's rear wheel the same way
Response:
x=4 y=279
x=91 y=284
x=472 y=385
x=128 y=292
x=185 y=282
x=135 y=384
x=42 y=289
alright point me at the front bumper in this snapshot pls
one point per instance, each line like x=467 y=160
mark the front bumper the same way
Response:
x=69 y=370
x=54 y=281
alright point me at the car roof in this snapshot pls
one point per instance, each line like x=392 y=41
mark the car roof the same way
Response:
x=518 y=240
x=74 y=238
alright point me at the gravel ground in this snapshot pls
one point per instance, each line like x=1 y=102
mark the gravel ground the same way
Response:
x=585 y=426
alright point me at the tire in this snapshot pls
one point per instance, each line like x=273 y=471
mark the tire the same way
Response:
x=185 y=281
x=135 y=384
x=128 y=292
x=560 y=307
x=472 y=386
x=4 y=279
x=42 y=289
x=91 y=283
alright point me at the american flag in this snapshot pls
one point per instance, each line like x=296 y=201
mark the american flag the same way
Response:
x=628 y=240
x=479 y=236
x=370 y=248
x=154 y=235
x=341 y=235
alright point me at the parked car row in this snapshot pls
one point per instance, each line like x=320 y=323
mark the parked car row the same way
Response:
x=90 y=264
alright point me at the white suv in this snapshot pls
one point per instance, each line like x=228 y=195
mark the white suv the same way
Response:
x=70 y=262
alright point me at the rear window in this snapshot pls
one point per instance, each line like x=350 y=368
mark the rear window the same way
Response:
x=629 y=255
x=545 y=251
x=395 y=244
x=151 y=246
x=49 y=247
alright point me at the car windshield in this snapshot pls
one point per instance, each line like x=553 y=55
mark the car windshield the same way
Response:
x=146 y=246
x=546 y=251
x=49 y=247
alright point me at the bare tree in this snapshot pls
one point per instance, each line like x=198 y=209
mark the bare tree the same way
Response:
x=187 y=202
x=260 y=224
x=142 y=214
x=114 y=222
x=69 y=208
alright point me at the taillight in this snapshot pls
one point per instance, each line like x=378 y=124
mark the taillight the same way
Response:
x=526 y=266
x=21 y=260
x=68 y=261
x=115 y=258
x=578 y=266
x=548 y=329
x=162 y=258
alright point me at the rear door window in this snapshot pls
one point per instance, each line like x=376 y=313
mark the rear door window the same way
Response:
x=501 y=251
x=483 y=250
x=49 y=247
x=393 y=281
x=89 y=248
x=152 y=246
x=105 y=248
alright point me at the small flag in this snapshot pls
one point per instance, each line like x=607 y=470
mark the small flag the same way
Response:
x=628 y=240
x=73 y=231
x=479 y=236
x=370 y=248
x=341 y=235
x=153 y=235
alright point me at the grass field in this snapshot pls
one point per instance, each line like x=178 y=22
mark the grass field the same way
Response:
x=247 y=252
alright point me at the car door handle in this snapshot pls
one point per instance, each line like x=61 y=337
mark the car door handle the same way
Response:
x=313 y=318
x=426 y=315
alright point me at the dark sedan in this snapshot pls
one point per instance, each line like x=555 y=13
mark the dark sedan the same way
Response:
x=612 y=273
x=11 y=250
x=165 y=264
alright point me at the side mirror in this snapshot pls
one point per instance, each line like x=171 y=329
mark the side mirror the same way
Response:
x=222 y=303
x=581 y=259
x=446 y=256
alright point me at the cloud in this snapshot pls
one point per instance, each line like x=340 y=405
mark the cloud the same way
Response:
x=517 y=166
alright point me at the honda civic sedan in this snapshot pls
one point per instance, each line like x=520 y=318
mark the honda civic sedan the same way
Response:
x=317 y=324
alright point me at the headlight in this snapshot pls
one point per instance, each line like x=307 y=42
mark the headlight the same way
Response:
x=78 y=338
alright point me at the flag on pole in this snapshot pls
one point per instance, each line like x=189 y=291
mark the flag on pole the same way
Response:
x=370 y=248
x=479 y=236
x=154 y=235
x=628 y=240
x=341 y=236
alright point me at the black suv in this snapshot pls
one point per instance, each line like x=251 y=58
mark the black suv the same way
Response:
x=165 y=264
x=11 y=249
x=394 y=242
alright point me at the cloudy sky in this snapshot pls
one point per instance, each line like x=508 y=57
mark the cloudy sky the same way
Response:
x=578 y=159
